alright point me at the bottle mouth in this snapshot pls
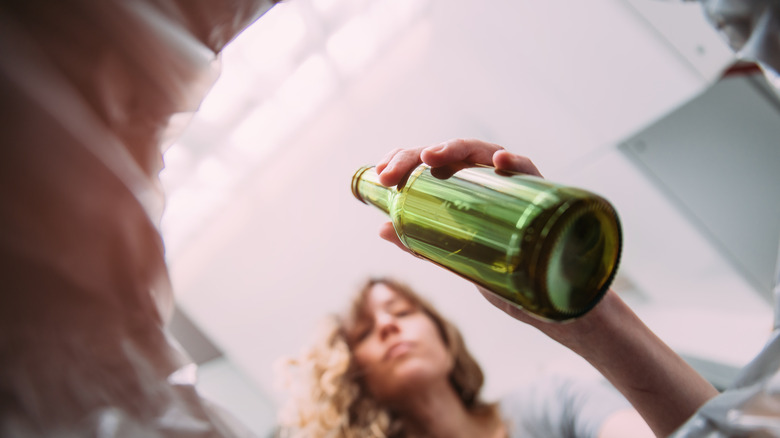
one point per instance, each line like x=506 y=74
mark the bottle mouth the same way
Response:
x=356 y=181
x=582 y=255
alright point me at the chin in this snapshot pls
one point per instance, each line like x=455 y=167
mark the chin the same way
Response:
x=410 y=377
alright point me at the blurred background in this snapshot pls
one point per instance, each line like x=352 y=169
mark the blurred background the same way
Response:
x=638 y=100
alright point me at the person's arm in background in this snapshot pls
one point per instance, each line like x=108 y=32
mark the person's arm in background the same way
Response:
x=662 y=387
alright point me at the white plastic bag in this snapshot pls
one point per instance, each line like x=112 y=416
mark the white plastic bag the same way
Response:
x=88 y=91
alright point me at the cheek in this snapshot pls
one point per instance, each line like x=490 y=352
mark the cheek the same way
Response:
x=373 y=374
x=435 y=349
x=435 y=340
x=365 y=356
x=445 y=357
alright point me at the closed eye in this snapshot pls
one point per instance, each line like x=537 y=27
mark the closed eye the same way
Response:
x=403 y=309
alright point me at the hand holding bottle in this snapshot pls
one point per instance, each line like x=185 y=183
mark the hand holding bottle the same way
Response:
x=547 y=248
x=449 y=157
x=445 y=159
x=663 y=388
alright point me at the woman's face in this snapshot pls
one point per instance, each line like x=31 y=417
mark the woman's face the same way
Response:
x=398 y=346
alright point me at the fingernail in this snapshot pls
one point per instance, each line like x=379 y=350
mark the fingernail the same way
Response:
x=436 y=149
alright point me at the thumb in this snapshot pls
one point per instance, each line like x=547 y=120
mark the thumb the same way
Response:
x=387 y=232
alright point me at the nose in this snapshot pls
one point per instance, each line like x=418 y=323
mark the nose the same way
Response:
x=386 y=324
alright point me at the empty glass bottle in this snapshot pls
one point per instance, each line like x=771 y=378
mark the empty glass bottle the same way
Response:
x=550 y=249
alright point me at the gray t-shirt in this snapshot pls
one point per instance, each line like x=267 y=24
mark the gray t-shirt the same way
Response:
x=560 y=407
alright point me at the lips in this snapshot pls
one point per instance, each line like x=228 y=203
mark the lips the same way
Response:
x=397 y=349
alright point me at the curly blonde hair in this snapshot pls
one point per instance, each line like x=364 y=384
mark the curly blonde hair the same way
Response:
x=328 y=398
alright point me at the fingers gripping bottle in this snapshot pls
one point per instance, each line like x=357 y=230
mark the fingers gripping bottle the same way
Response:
x=551 y=249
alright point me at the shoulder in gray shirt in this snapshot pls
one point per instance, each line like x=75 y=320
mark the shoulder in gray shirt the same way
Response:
x=560 y=406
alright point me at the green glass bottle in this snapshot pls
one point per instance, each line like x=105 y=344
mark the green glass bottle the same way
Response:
x=550 y=249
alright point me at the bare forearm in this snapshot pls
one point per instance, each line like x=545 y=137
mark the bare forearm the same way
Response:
x=662 y=387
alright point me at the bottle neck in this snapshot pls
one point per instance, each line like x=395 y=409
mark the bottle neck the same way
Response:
x=367 y=189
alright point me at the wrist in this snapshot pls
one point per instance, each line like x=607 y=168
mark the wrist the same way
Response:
x=596 y=328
